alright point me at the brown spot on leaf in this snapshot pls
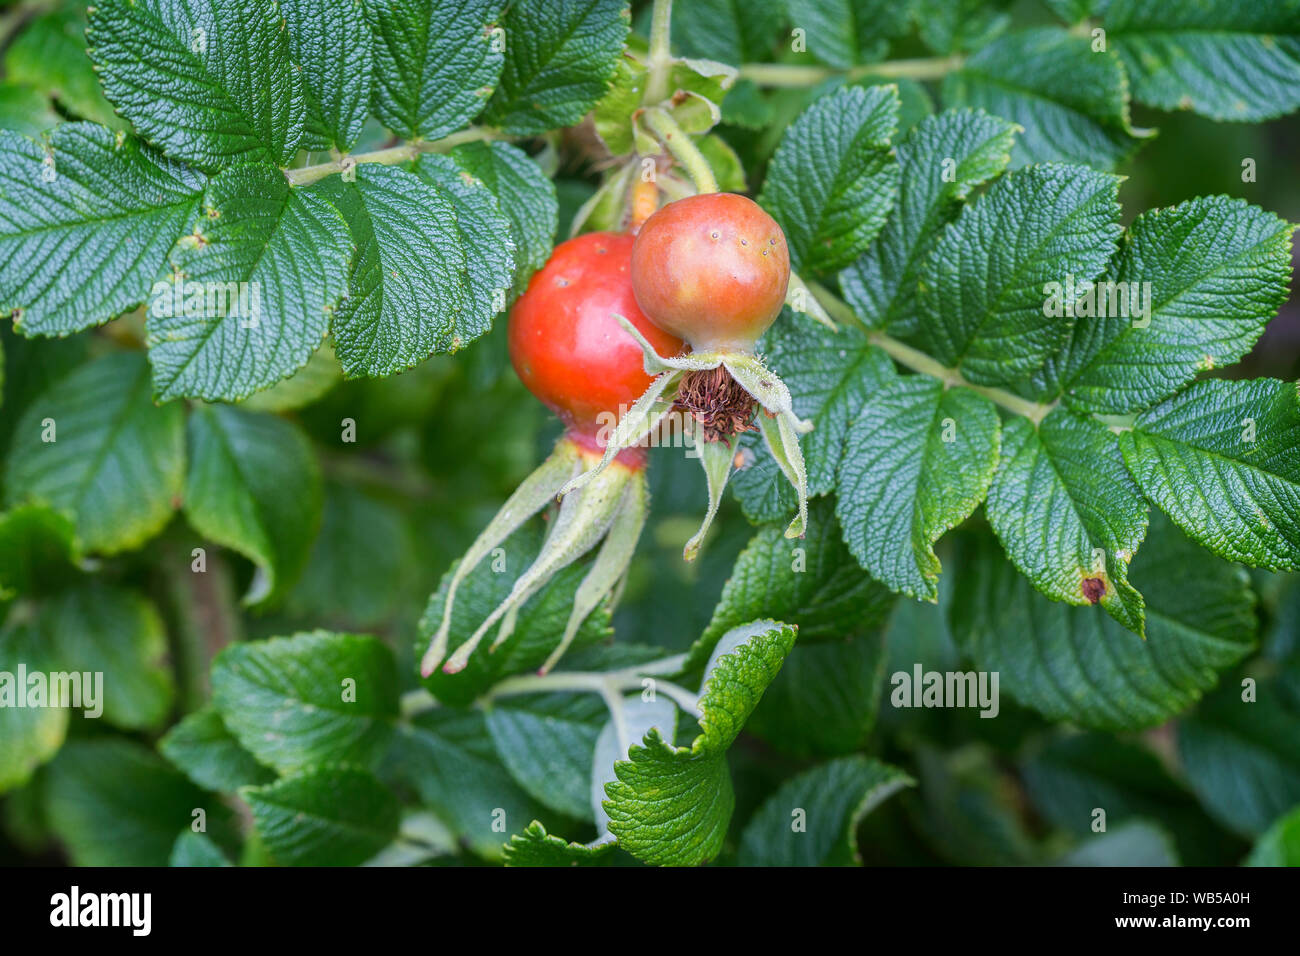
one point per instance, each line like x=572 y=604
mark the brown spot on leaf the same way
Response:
x=1094 y=589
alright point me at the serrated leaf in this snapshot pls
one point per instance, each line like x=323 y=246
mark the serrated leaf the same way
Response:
x=117 y=462
x=112 y=802
x=206 y=752
x=310 y=699
x=833 y=179
x=85 y=225
x=205 y=81
x=436 y=62
x=917 y=462
x=526 y=196
x=536 y=847
x=1071 y=100
x=812 y=583
x=196 y=849
x=254 y=486
x=31 y=735
x=882 y=284
x=639 y=715
x=1242 y=757
x=845 y=33
x=329 y=816
x=333 y=45
x=1033 y=226
x=612 y=116
x=1223 y=460
x=1229 y=60
x=1209 y=275
x=1061 y=492
x=671 y=805
x=484 y=233
x=407 y=293
x=560 y=57
x=50 y=54
x=38 y=550
x=830 y=801
x=546 y=741
x=97 y=629
x=251 y=289
x=1074 y=664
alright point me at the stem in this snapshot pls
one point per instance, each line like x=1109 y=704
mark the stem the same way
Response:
x=608 y=685
x=660 y=60
x=389 y=157
x=679 y=143
x=789 y=75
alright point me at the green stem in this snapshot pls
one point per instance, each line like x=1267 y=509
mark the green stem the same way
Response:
x=790 y=75
x=678 y=142
x=392 y=156
x=661 y=59
x=608 y=684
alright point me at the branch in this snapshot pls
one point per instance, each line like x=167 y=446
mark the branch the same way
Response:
x=661 y=58
x=788 y=75
x=678 y=142
x=391 y=156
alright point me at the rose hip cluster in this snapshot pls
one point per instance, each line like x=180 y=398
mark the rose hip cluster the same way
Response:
x=622 y=330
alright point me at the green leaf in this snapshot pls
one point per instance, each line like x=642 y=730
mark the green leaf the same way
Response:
x=1075 y=664
x=812 y=583
x=671 y=805
x=882 y=284
x=917 y=462
x=407 y=289
x=559 y=60
x=845 y=33
x=85 y=224
x=812 y=820
x=1211 y=273
x=1138 y=843
x=333 y=45
x=31 y=735
x=251 y=289
x=207 y=753
x=436 y=63
x=448 y=757
x=1071 y=100
x=1061 y=493
x=254 y=486
x=526 y=196
x=1033 y=226
x=329 y=816
x=196 y=849
x=833 y=179
x=304 y=387
x=26 y=110
x=1242 y=757
x=30 y=367
x=1223 y=460
x=731 y=31
x=546 y=742
x=638 y=715
x=113 y=802
x=536 y=847
x=205 y=81
x=310 y=699
x=1228 y=60
x=1280 y=845
x=37 y=550
x=50 y=54
x=950 y=26
x=484 y=232
x=117 y=460
x=98 y=629
x=826 y=698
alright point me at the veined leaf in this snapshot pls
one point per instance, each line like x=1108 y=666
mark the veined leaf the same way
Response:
x=917 y=462
x=96 y=446
x=1223 y=460
x=436 y=62
x=730 y=31
x=830 y=800
x=207 y=753
x=1209 y=274
x=882 y=284
x=560 y=57
x=254 y=486
x=332 y=42
x=251 y=289
x=1061 y=494
x=536 y=847
x=845 y=33
x=85 y=225
x=1037 y=225
x=206 y=81
x=833 y=179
